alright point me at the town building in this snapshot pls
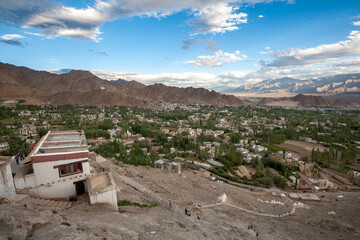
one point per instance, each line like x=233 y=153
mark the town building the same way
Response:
x=4 y=146
x=57 y=167
x=169 y=166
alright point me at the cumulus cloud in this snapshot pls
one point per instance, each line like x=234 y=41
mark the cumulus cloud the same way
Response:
x=210 y=44
x=69 y=22
x=260 y=16
x=55 y=19
x=217 y=18
x=219 y=59
x=323 y=53
x=183 y=79
x=357 y=23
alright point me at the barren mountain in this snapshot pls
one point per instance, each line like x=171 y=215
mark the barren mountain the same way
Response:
x=82 y=87
x=308 y=101
x=325 y=85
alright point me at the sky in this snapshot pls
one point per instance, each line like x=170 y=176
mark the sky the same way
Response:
x=215 y=44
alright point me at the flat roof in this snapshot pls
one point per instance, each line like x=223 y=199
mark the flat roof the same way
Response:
x=101 y=182
x=55 y=142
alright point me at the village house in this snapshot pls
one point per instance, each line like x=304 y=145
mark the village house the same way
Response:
x=58 y=167
x=24 y=113
x=167 y=165
x=28 y=130
x=4 y=146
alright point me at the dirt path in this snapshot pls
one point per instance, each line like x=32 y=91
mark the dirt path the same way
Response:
x=257 y=213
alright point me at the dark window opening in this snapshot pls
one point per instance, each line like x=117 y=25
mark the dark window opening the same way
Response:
x=69 y=169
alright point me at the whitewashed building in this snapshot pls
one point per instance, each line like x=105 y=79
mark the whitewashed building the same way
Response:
x=57 y=167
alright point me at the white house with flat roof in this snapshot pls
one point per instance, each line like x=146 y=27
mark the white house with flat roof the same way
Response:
x=57 y=167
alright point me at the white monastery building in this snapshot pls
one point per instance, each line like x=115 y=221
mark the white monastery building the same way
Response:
x=58 y=167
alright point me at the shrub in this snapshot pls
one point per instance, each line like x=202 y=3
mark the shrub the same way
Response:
x=259 y=174
x=267 y=181
x=279 y=181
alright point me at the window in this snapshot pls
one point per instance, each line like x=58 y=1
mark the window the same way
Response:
x=69 y=169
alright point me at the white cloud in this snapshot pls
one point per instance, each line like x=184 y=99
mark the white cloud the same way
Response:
x=184 y=79
x=357 y=23
x=217 y=18
x=267 y=48
x=260 y=16
x=54 y=19
x=323 y=53
x=219 y=59
x=11 y=36
x=69 y=22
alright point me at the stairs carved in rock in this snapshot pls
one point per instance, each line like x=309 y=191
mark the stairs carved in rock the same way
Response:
x=47 y=203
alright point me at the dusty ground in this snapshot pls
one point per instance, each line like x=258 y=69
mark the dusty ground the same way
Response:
x=304 y=148
x=189 y=189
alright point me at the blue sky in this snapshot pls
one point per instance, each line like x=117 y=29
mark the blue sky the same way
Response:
x=213 y=44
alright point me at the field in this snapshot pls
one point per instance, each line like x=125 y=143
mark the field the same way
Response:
x=273 y=148
x=304 y=148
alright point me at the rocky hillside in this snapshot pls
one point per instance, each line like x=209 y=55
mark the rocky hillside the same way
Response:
x=82 y=87
x=308 y=101
x=325 y=85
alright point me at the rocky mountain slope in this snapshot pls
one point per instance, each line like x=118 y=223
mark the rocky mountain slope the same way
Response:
x=308 y=101
x=82 y=87
x=325 y=85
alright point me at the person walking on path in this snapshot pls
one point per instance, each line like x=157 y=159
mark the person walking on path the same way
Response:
x=198 y=216
x=187 y=212
x=170 y=204
x=17 y=158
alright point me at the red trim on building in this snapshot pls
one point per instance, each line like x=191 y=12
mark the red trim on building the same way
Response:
x=58 y=157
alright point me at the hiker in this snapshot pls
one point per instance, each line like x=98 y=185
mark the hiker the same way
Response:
x=198 y=216
x=17 y=158
x=187 y=212
x=170 y=204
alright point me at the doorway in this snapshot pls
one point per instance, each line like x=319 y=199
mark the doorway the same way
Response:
x=80 y=187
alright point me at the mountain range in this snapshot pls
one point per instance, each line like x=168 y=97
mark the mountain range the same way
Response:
x=308 y=101
x=84 y=88
x=77 y=87
x=335 y=84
